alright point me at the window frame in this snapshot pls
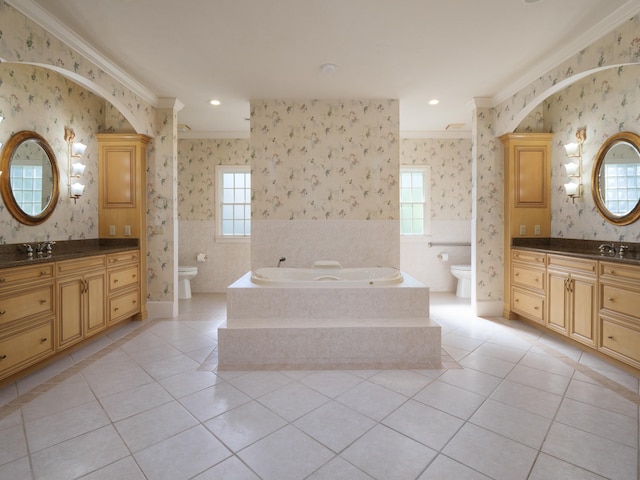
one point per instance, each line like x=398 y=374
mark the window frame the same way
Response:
x=219 y=172
x=426 y=184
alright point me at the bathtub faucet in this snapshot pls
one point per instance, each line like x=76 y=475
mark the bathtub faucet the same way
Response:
x=282 y=259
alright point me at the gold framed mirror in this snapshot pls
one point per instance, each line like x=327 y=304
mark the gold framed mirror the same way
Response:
x=615 y=179
x=29 y=182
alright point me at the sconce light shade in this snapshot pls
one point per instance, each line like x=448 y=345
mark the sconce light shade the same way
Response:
x=1 y=118
x=77 y=169
x=572 y=169
x=572 y=189
x=77 y=149
x=572 y=149
x=76 y=190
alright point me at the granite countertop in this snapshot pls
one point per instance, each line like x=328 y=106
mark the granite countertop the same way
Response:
x=580 y=248
x=14 y=255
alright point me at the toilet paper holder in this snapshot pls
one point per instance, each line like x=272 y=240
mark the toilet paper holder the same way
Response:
x=443 y=257
x=201 y=257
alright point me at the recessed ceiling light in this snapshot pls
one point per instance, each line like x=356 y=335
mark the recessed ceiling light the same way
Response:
x=214 y=102
x=328 y=68
x=434 y=101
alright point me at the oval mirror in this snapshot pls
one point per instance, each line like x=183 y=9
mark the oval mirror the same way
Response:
x=29 y=179
x=616 y=178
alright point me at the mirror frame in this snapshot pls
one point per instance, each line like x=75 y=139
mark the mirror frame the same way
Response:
x=634 y=214
x=5 y=179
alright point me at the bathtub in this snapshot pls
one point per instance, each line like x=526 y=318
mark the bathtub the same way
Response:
x=326 y=276
x=328 y=317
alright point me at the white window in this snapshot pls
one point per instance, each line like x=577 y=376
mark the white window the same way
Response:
x=233 y=196
x=415 y=209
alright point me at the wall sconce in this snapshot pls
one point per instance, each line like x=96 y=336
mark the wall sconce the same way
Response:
x=76 y=168
x=574 y=167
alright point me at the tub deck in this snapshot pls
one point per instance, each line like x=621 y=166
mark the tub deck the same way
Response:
x=369 y=327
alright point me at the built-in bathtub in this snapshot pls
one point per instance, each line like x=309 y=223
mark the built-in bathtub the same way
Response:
x=304 y=319
x=328 y=276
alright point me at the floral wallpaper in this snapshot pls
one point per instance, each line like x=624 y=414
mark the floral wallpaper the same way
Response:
x=37 y=99
x=325 y=159
x=604 y=103
x=450 y=161
x=197 y=160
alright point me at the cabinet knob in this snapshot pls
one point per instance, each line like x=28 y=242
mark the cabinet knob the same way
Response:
x=116 y=309
x=133 y=276
x=3 y=356
x=610 y=337
x=611 y=271
x=2 y=280
x=43 y=301
x=536 y=308
x=43 y=339
x=43 y=273
x=135 y=301
x=115 y=280
x=2 y=312
x=517 y=274
x=611 y=299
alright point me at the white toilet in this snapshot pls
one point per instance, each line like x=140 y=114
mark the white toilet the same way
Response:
x=463 y=274
x=185 y=274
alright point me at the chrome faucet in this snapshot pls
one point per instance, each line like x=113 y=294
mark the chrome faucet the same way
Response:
x=622 y=249
x=29 y=249
x=607 y=248
x=44 y=248
x=282 y=259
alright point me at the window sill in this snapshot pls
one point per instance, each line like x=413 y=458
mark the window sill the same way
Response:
x=219 y=239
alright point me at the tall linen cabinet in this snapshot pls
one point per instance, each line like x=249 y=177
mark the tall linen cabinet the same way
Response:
x=123 y=195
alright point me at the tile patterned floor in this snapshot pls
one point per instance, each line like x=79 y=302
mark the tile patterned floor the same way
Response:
x=146 y=402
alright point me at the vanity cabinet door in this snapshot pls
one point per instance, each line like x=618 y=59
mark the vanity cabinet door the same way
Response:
x=558 y=301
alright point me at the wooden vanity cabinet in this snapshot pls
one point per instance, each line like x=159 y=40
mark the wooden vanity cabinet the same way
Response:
x=27 y=314
x=528 y=284
x=122 y=195
x=572 y=297
x=123 y=294
x=619 y=315
x=527 y=196
x=81 y=287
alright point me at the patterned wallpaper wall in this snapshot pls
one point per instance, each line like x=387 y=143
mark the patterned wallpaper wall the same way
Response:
x=325 y=159
x=450 y=160
x=605 y=103
x=37 y=99
x=197 y=160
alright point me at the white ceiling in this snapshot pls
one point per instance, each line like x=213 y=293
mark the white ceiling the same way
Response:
x=412 y=50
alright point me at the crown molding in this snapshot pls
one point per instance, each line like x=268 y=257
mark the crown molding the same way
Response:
x=172 y=103
x=37 y=14
x=582 y=41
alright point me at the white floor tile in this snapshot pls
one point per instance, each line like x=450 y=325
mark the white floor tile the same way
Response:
x=445 y=468
x=127 y=468
x=214 y=400
x=527 y=398
x=450 y=399
x=405 y=382
x=126 y=404
x=331 y=382
x=386 y=454
x=287 y=454
x=372 y=400
x=293 y=400
x=339 y=469
x=547 y=467
x=230 y=469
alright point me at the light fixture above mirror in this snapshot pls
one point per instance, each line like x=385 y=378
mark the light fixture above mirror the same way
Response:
x=76 y=168
x=574 y=166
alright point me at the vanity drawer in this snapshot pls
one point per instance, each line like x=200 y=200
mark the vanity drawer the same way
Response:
x=562 y=262
x=10 y=277
x=121 y=258
x=528 y=277
x=123 y=278
x=22 y=304
x=526 y=256
x=621 y=339
x=25 y=346
x=124 y=306
x=619 y=271
x=620 y=300
x=528 y=304
x=80 y=264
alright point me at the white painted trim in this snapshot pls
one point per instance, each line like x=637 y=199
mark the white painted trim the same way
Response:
x=588 y=37
x=162 y=310
x=487 y=308
x=37 y=14
x=170 y=103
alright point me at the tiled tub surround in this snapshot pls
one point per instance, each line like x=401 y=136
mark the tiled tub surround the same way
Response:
x=328 y=327
x=14 y=254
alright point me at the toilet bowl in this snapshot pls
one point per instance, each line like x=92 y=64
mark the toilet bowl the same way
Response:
x=185 y=274
x=463 y=274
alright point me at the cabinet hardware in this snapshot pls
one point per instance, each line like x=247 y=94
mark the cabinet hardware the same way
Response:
x=116 y=309
x=610 y=337
x=3 y=356
x=115 y=280
x=43 y=339
x=536 y=308
x=135 y=301
x=2 y=280
x=43 y=301
x=610 y=271
x=517 y=274
x=133 y=276
x=611 y=299
x=44 y=272
x=2 y=312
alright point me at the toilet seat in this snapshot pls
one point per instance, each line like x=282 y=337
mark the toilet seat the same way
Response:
x=187 y=270
x=464 y=268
